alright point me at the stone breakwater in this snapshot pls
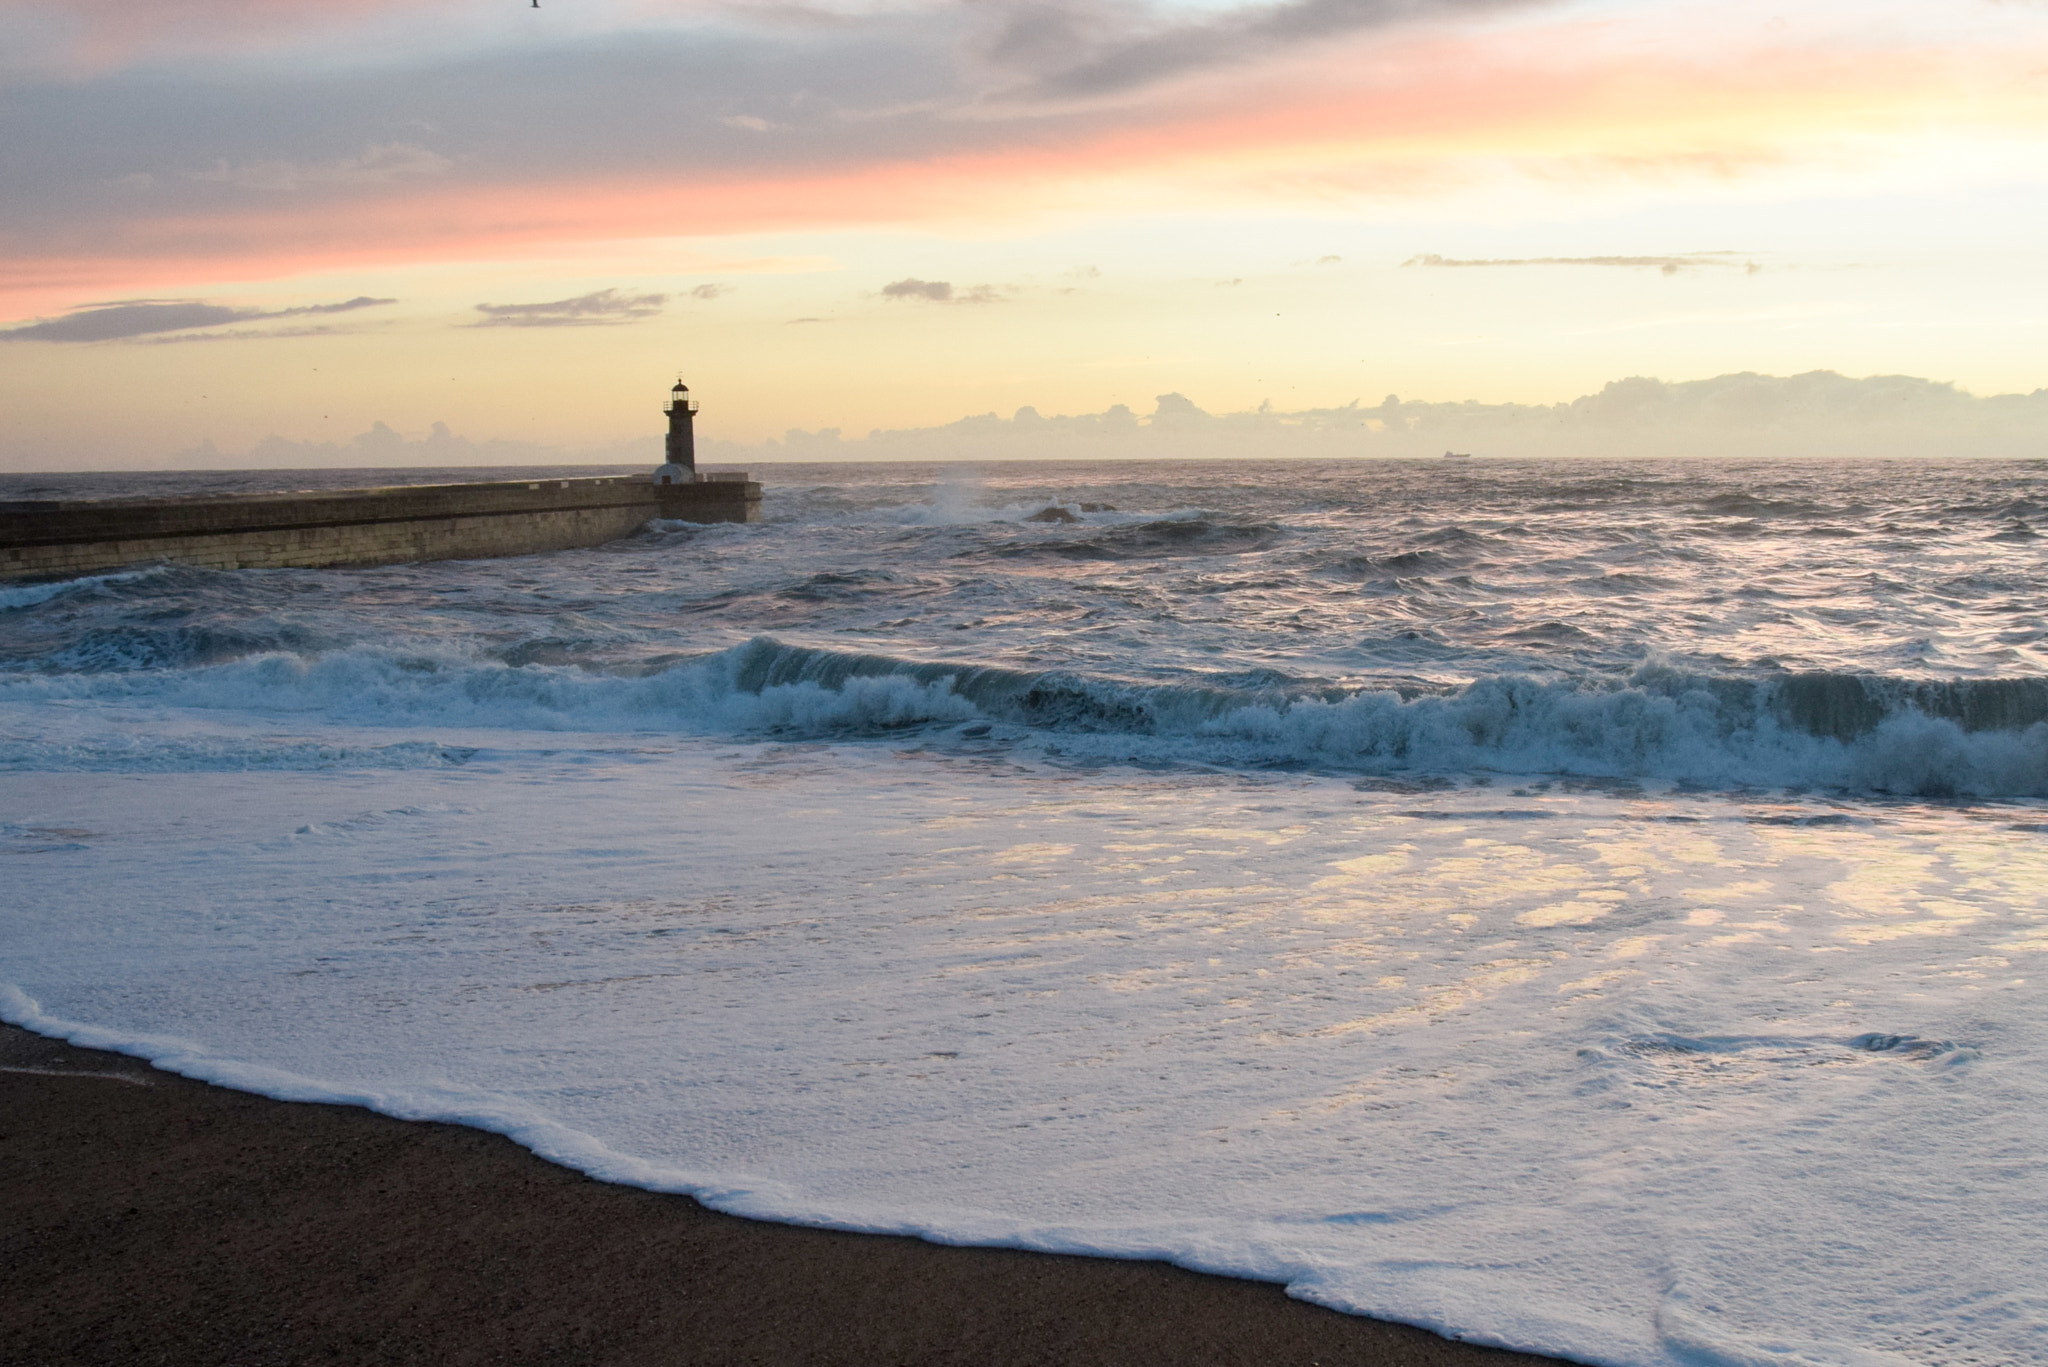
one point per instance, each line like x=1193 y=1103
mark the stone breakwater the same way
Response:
x=58 y=539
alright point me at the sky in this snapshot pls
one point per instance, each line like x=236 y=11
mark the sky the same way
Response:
x=226 y=221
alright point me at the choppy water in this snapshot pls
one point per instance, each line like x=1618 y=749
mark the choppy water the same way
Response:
x=1591 y=907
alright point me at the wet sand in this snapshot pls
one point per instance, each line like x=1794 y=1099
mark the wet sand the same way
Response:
x=147 y=1218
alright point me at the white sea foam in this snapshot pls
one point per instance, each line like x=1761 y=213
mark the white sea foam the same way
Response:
x=1502 y=725
x=1648 y=1081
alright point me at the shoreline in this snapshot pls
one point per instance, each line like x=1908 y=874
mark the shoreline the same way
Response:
x=148 y=1217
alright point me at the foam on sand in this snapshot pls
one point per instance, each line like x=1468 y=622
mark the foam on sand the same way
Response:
x=1631 y=1078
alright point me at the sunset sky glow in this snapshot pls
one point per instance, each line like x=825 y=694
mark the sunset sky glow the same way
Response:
x=226 y=219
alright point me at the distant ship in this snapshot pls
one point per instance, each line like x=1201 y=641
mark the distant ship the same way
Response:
x=1457 y=455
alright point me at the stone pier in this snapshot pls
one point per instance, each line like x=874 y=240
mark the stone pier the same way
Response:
x=55 y=540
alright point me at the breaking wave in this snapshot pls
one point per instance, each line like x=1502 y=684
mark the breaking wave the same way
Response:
x=1847 y=732
x=15 y=596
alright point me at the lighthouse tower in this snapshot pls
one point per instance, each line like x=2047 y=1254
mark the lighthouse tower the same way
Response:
x=682 y=438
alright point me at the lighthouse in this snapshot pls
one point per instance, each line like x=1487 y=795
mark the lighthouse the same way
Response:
x=682 y=438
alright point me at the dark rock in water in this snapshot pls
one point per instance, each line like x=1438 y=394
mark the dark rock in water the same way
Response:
x=1098 y=507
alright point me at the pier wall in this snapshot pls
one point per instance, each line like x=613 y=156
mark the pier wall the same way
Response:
x=355 y=526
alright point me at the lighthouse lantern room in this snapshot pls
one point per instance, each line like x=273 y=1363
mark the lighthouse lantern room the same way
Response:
x=682 y=438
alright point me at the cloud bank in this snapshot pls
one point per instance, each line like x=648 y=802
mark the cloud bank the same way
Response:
x=282 y=135
x=1818 y=414
x=384 y=447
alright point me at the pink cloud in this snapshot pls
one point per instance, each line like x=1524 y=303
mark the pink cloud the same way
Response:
x=94 y=35
x=1369 y=117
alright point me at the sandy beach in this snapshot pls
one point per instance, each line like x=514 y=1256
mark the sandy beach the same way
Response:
x=152 y=1219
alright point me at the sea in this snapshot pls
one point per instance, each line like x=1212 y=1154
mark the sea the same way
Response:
x=1592 y=907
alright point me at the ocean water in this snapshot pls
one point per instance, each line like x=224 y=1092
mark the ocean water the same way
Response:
x=1596 y=908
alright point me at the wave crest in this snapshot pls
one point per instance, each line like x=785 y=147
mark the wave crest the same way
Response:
x=1958 y=738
